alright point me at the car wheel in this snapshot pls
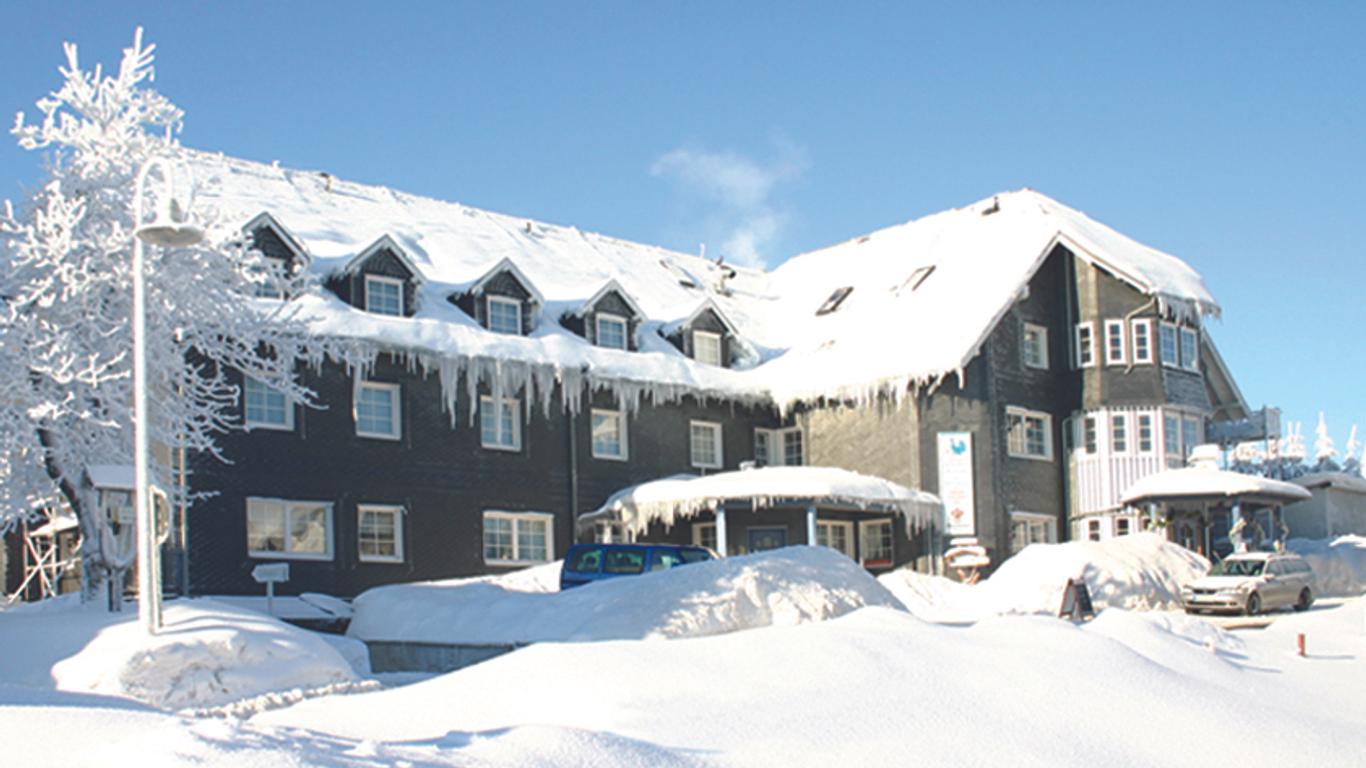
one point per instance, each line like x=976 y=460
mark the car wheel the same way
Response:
x=1306 y=599
x=1254 y=604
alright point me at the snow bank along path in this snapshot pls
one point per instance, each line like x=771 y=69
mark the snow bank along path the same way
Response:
x=1339 y=565
x=207 y=654
x=783 y=587
x=1126 y=689
x=1140 y=571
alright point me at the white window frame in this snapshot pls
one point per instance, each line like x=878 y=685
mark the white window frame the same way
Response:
x=713 y=344
x=517 y=519
x=1189 y=362
x=1119 y=430
x=1090 y=434
x=250 y=423
x=385 y=280
x=1085 y=338
x=514 y=406
x=1024 y=415
x=1032 y=521
x=1142 y=328
x=1041 y=333
x=1163 y=330
x=622 y=431
x=286 y=506
x=845 y=525
x=1171 y=436
x=715 y=429
x=1138 y=433
x=516 y=304
x=395 y=415
x=1115 y=354
x=775 y=442
x=699 y=538
x=382 y=509
x=1092 y=527
x=267 y=279
x=608 y=317
x=863 y=558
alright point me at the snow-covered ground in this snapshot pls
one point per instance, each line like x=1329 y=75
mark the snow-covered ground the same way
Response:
x=789 y=586
x=795 y=686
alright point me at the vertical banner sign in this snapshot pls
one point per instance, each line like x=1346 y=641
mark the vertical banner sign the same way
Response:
x=955 y=483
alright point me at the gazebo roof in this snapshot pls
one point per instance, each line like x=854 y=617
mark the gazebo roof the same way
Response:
x=682 y=496
x=1207 y=483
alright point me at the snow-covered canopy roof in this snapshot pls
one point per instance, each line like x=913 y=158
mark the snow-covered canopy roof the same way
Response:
x=955 y=272
x=1195 y=483
x=682 y=496
x=112 y=476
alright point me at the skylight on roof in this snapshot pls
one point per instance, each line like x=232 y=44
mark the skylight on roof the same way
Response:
x=836 y=299
x=916 y=278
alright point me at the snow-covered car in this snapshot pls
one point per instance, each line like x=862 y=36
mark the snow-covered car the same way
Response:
x=1252 y=582
x=586 y=563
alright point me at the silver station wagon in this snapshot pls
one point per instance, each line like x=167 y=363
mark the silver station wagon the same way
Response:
x=1252 y=582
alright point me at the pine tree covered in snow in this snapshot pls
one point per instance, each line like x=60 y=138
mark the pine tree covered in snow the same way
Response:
x=1351 y=462
x=1325 y=450
x=65 y=329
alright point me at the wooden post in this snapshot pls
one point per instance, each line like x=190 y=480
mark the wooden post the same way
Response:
x=811 y=525
x=721 y=548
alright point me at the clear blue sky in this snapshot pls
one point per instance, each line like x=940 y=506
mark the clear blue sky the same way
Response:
x=1230 y=134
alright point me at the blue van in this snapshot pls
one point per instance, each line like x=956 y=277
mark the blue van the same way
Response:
x=585 y=563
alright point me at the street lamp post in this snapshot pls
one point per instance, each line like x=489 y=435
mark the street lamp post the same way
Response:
x=169 y=228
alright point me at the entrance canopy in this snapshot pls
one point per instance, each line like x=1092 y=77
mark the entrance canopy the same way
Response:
x=682 y=496
x=1203 y=483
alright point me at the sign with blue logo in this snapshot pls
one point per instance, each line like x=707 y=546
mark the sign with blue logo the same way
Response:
x=955 y=483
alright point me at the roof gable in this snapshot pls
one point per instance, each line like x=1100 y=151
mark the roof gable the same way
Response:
x=612 y=286
x=507 y=266
x=384 y=243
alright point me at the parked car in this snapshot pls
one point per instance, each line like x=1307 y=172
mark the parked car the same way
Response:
x=585 y=563
x=1252 y=582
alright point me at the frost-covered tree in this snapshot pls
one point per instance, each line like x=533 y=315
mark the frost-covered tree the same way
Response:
x=1325 y=450
x=1351 y=462
x=65 y=341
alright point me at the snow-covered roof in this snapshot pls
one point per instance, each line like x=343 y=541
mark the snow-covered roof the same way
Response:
x=683 y=496
x=112 y=476
x=1197 y=482
x=955 y=272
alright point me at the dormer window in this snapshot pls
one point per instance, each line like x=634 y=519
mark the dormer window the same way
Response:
x=505 y=315
x=384 y=295
x=706 y=347
x=836 y=299
x=611 y=331
x=268 y=280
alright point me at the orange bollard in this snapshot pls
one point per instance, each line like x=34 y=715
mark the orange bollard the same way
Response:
x=1299 y=643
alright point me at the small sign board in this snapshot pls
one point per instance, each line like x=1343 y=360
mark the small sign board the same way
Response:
x=270 y=573
x=1076 y=601
x=955 y=483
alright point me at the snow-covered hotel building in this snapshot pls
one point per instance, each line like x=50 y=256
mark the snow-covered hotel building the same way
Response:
x=504 y=377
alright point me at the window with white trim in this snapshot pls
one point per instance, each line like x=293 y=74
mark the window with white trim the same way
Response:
x=607 y=532
x=1029 y=433
x=377 y=410
x=505 y=315
x=379 y=533
x=704 y=535
x=1093 y=529
x=779 y=447
x=1034 y=346
x=1190 y=434
x=706 y=347
x=1190 y=349
x=1085 y=344
x=1119 y=433
x=1141 y=329
x=1171 y=438
x=1090 y=439
x=1166 y=345
x=264 y=406
x=837 y=535
x=384 y=295
x=267 y=278
x=499 y=428
x=1145 y=433
x=875 y=543
x=704 y=444
x=517 y=538
x=610 y=330
x=1031 y=528
x=609 y=434
x=1123 y=526
x=300 y=530
x=1114 y=343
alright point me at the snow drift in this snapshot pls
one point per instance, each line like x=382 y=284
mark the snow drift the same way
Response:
x=782 y=587
x=1339 y=565
x=1141 y=571
x=207 y=654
